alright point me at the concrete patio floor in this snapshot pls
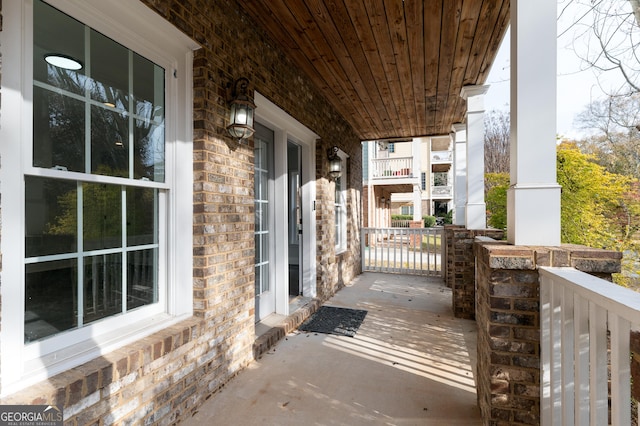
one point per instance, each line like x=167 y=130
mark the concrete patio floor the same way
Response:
x=410 y=363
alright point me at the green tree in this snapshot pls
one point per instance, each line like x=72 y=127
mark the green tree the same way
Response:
x=591 y=201
x=496 y=185
x=598 y=208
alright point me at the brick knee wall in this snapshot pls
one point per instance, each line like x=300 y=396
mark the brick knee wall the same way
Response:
x=155 y=380
x=508 y=368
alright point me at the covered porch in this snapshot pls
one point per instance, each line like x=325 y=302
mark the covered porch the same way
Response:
x=410 y=362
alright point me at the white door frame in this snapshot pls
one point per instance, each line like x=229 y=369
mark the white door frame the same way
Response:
x=286 y=128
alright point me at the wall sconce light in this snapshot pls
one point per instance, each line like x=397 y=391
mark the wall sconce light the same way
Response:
x=383 y=200
x=241 y=109
x=335 y=162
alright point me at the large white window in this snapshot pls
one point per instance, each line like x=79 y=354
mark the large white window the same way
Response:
x=94 y=256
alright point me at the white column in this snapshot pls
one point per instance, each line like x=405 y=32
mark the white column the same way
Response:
x=416 y=145
x=460 y=169
x=476 y=208
x=533 y=200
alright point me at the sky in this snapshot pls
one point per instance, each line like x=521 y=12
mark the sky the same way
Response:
x=575 y=88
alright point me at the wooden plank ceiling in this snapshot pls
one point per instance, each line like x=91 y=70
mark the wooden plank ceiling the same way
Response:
x=393 y=68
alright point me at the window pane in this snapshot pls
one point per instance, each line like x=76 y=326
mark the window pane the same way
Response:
x=264 y=247
x=142 y=222
x=109 y=71
x=58 y=131
x=142 y=280
x=102 y=216
x=109 y=142
x=102 y=286
x=262 y=217
x=148 y=89
x=55 y=32
x=148 y=94
x=50 y=298
x=257 y=281
x=51 y=220
x=262 y=279
x=148 y=161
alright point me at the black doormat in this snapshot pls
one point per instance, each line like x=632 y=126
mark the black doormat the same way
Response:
x=332 y=320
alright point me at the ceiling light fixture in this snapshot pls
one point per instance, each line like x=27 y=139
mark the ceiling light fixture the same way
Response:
x=63 y=61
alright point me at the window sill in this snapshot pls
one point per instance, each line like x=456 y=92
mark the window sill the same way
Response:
x=72 y=385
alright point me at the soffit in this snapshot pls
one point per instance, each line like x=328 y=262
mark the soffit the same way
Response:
x=393 y=69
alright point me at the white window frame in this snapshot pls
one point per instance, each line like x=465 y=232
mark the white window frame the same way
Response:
x=341 y=206
x=141 y=30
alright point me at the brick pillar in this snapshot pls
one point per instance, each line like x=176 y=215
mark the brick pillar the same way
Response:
x=449 y=234
x=415 y=239
x=461 y=266
x=508 y=369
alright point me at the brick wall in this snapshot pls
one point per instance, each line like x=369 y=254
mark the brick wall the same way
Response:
x=164 y=377
x=508 y=368
x=335 y=270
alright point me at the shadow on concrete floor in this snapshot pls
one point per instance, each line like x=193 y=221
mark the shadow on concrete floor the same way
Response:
x=410 y=363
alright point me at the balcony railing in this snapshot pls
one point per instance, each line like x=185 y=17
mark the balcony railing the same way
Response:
x=442 y=191
x=438 y=157
x=584 y=322
x=398 y=167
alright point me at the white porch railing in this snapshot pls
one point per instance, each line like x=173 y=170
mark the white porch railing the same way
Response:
x=438 y=157
x=577 y=311
x=400 y=223
x=403 y=250
x=397 y=167
x=442 y=191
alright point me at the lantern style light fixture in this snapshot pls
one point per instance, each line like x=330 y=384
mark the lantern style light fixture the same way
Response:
x=241 y=109
x=335 y=162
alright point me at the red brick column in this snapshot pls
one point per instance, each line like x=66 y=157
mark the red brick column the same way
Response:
x=415 y=240
x=508 y=369
x=461 y=267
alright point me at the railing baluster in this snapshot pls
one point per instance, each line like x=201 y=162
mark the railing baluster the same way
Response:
x=422 y=251
x=581 y=349
x=620 y=370
x=556 y=350
x=546 y=348
x=598 y=364
x=568 y=356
